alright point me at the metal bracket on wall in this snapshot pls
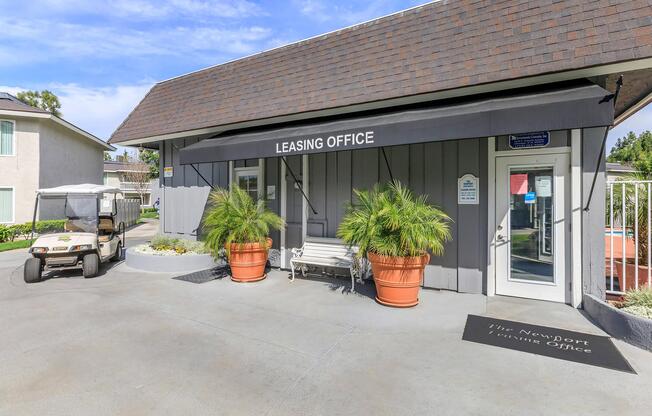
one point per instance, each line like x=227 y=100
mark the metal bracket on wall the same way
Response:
x=296 y=181
x=389 y=169
x=613 y=96
x=202 y=176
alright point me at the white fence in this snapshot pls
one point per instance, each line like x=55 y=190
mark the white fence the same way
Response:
x=628 y=235
x=128 y=211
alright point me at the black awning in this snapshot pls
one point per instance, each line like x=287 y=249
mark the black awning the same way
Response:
x=568 y=108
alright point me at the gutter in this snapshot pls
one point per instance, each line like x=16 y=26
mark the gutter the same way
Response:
x=61 y=122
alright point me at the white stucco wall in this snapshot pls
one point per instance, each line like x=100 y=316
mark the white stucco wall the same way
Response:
x=68 y=158
x=21 y=171
x=46 y=155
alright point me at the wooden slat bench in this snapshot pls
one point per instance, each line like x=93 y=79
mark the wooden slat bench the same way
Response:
x=327 y=253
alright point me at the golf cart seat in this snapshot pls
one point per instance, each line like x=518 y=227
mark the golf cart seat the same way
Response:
x=105 y=229
x=106 y=225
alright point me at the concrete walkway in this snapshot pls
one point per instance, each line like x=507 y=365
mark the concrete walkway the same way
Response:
x=142 y=233
x=132 y=343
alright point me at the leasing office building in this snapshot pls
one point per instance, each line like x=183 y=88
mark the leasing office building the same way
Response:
x=495 y=110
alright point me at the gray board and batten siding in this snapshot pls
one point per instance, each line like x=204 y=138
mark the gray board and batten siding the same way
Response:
x=431 y=168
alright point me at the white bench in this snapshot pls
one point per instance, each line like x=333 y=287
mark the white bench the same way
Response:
x=328 y=253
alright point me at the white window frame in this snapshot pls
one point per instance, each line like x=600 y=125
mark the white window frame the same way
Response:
x=13 y=204
x=13 y=138
x=259 y=171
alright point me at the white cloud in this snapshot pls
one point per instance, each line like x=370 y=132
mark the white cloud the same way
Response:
x=144 y=9
x=324 y=11
x=31 y=39
x=98 y=110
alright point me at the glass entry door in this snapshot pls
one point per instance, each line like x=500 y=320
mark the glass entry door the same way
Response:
x=532 y=226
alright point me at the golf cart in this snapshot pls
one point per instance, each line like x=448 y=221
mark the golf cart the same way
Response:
x=91 y=235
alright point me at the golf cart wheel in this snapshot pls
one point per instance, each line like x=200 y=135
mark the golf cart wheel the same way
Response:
x=90 y=265
x=118 y=253
x=32 y=272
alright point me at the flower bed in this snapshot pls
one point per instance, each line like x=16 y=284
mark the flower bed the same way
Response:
x=168 y=246
x=166 y=254
x=637 y=302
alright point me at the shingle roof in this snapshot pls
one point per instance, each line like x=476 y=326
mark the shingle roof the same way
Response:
x=11 y=103
x=438 y=46
x=116 y=166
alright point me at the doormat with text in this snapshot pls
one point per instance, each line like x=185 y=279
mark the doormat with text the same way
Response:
x=542 y=340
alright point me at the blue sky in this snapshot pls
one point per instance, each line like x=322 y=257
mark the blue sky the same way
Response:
x=101 y=57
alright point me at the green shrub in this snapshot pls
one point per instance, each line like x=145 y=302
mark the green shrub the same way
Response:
x=391 y=221
x=41 y=227
x=149 y=214
x=24 y=230
x=6 y=233
x=150 y=210
x=49 y=226
x=640 y=297
x=162 y=242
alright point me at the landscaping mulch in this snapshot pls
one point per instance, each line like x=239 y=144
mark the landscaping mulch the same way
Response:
x=204 y=276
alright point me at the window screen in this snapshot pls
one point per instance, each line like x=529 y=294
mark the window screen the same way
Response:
x=6 y=138
x=6 y=205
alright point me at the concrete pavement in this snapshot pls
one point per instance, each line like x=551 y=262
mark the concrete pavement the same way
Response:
x=133 y=343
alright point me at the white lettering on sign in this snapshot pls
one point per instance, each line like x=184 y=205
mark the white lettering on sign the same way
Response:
x=317 y=143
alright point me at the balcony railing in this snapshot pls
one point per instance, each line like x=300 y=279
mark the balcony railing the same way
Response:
x=134 y=187
x=628 y=235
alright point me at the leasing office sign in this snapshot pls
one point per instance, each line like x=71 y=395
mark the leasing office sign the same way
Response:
x=482 y=119
x=344 y=141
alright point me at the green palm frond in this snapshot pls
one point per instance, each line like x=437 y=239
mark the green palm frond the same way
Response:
x=234 y=217
x=392 y=221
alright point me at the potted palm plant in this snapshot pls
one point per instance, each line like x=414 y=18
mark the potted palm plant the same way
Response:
x=395 y=231
x=239 y=225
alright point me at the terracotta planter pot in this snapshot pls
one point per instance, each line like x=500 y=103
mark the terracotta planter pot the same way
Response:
x=398 y=279
x=247 y=261
x=630 y=270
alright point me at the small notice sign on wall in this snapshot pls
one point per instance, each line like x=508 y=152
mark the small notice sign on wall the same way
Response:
x=529 y=140
x=467 y=190
x=168 y=171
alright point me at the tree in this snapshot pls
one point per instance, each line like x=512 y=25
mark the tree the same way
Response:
x=45 y=100
x=635 y=151
x=124 y=157
x=151 y=157
x=107 y=156
x=137 y=173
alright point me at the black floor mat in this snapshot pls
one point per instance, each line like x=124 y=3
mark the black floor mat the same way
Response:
x=204 y=276
x=543 y=340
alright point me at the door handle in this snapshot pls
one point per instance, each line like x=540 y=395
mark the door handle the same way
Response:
x=500 y=238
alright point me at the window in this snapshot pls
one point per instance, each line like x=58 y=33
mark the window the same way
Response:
x=247 y=179
x=6 y=138
x=105 y=178
x=6 y=205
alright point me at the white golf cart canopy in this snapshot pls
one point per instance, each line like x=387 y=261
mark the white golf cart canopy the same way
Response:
x=81 y=189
